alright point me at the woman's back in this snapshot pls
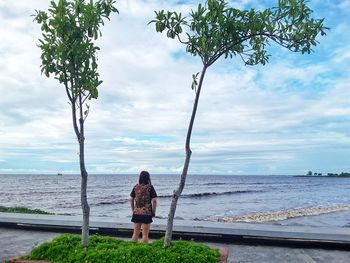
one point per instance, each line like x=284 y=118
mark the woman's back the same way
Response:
x=143 y=194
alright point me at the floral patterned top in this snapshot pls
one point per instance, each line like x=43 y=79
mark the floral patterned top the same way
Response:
x=143 y=194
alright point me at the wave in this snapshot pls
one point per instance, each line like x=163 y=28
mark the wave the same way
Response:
x=112 y=202
x=283 y=215
x=165 y=217
x=117 y=201
x=206 y=184
x=206 y=194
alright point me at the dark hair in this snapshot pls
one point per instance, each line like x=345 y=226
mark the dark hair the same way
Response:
x=144 y=178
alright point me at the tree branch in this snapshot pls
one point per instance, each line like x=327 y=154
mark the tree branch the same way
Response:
x=86 y=97
x=245 y=63
x=223 y=50
x=66 y=85
x=277 y=39
x=75 y=124
x=181 y=41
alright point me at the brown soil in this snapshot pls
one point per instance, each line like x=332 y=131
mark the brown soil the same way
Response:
x=27 y=261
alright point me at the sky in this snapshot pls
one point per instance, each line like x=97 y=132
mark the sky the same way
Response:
x=287 y=117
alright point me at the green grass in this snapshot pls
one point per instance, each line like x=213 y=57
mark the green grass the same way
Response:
x=23 y=210
x=67 y=248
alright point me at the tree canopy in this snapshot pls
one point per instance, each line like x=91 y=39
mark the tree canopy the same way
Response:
x=215 y=29
x=67 y=46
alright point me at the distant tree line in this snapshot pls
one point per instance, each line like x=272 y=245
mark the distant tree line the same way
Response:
x=342 y=174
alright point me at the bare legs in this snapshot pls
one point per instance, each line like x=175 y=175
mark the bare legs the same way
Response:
x=137 y=230
x=145 y=232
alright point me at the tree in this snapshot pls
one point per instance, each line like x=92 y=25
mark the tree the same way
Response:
x=69 y=29
x=216 y=30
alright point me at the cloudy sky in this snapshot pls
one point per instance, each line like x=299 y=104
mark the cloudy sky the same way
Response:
x=288 y=117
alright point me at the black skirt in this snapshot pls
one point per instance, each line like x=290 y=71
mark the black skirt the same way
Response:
x=144 y=219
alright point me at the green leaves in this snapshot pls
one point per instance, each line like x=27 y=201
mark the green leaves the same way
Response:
x=216 y=29
x=171 y=21
x=194 y=81
x=69 y=29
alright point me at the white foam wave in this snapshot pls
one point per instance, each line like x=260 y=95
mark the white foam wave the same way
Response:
x=283 y=215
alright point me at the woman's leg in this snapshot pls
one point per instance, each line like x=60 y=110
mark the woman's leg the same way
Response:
x=145 y=232
x=137 y=228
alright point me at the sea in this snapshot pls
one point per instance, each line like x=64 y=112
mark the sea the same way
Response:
x=278 y=200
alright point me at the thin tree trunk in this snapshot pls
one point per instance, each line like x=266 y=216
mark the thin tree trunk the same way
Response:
x=178 y=191
x=84 y=176
x=84 y=203
x=79 y=131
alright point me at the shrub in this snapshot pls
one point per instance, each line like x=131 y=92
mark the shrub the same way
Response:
x=67 y=248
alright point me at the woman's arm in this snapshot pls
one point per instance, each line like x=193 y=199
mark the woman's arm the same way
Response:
x=154 y=206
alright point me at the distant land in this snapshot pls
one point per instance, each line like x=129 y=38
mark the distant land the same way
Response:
x=310 y=174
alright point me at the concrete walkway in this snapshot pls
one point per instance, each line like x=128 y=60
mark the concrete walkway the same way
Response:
x=251 y=234
x=14 y=242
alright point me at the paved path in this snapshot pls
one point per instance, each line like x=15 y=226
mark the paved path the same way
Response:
x=303 y=236
x=14 y=242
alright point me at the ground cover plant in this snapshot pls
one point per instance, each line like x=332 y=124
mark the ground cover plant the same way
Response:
x=68 y=248
x=23 y=210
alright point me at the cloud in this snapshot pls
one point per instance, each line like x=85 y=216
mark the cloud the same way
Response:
x=273 y=119
x=342 y=55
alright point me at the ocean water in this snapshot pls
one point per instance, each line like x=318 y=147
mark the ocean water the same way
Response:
x=284 y=200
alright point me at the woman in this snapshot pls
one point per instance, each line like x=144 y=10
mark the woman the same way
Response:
x=143 y=205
